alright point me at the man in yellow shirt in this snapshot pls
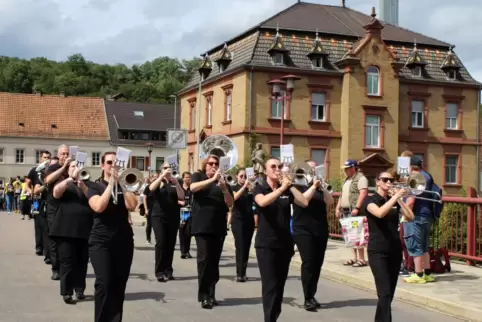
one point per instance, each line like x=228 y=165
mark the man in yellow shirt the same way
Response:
x=17 y=186
x=24 y=199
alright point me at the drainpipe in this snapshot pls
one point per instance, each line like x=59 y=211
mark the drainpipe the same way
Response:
x=251 y=104
x=477 y=152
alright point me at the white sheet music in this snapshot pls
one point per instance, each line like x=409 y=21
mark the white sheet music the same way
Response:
x=249 y=173
x=122 y=157
x=172 y=161
x=403 y=166
x=81 y=158
x=73 y=151
x=287 y=154
x=320 y=171
x=224 y=163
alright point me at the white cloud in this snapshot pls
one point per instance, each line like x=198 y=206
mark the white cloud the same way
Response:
x=133 y=31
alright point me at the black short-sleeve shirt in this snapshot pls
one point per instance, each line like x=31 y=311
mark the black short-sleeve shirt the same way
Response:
x=384 y=236
x=243 y=206
x=113 y=223
x=187 y=197
x=208 y=211
x=74 y=216
x=50 y=188
x=311 y=220
x=274 y=220
x=164 y=202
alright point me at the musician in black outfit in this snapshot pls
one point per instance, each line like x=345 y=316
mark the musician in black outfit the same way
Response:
x=185 y=227
x=70 y=229
x=274 y=242
x=211 y=201
x=111 y=242
x=53 y=173
x=384 y=246
x=31 y=181
x=310 y=233
x=242 y=222
x=147 y=208
x=164 y=193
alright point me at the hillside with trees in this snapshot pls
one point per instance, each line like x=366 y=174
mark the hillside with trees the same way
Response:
x=152 y=82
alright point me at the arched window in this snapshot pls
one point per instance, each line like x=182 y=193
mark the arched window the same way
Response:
x=373 y=81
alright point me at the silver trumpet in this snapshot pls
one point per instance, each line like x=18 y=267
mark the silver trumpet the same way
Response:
x=130 y=180
x=299 y=173
x=229 y=179
x=416 y=185
x=84 y=174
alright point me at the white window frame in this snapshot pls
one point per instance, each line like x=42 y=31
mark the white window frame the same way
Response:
x=2 y=155
x=417 y=71
x=38 y=155
x=229 y=104
x=317 y=62
x=139 y=113
x=418 y=110
x=451 y=74
x=221 y=68
x=316 y=106
x=373 y=81
x=451 y=121
x=320 y=159
x=278 y=59
x=210 y=113
x=451 y=168
x=96 y=159
x=276 y=107
x=143 y=163
x=20 y=156
x=370 y=128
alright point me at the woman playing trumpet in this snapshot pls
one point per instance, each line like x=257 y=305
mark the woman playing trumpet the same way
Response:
x=242 y=222
x=111 y=242
x=384 y=247
x=212 y=198
x=274 y=242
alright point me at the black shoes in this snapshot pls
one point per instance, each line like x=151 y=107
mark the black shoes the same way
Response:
x=185 y=256
x=241 y=279
x=209 y=304
x=311 y=305
x=47 y=261
x=39 y=252
x=55 y=276
x=80 y=295
x=162 y=278
x=68 y=299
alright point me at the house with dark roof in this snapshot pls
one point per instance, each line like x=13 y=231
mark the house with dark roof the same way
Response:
x=30 y=123
x=337 y=84
x=140 y=128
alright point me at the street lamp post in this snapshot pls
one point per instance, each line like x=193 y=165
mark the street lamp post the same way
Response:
x=277 y=84
x=150 y=147
x=175 y=110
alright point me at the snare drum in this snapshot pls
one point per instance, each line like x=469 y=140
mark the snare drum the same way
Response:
x=185 y=214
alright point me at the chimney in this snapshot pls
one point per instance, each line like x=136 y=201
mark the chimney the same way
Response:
x=343 y=4
x=389 y=11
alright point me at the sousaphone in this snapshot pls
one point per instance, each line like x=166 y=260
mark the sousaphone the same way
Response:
x=221 y=146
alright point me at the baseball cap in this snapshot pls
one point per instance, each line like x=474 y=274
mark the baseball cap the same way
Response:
x=415 y=161
x=350 y=163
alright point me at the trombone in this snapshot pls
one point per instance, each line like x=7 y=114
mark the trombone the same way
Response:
x=416 y=185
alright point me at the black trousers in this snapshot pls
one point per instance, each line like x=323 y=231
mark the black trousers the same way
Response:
x=38 y=234
x=385 y=267
x=243 y=233
x=165 y=232
x=312 y=252
x=44 y=227
x=274 y=265
x=73 y=258
x=54 y=254
x=209 y=249
x=185 y=237
x=112 y=266
x=148 y=227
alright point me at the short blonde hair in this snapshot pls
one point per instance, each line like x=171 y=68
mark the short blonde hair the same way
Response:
x=407 y=153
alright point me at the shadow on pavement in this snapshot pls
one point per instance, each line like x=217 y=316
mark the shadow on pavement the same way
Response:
x=349 y=303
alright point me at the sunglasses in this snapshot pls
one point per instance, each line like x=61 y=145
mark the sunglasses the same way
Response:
x=385 y=180
x=242 y=176
x=274 y=166
x=109 y=162
x=165 y=168
x=213 y=164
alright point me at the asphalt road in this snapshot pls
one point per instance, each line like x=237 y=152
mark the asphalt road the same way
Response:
x=27 y=293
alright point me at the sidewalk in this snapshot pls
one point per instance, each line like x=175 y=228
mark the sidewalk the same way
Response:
x=458 y=293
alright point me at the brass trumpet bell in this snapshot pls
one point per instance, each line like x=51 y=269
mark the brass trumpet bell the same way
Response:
x=84 y=175
x=416 y=184
x=300 y=173
x=131 y=180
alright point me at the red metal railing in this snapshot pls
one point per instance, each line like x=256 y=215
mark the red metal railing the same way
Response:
x=459 y=229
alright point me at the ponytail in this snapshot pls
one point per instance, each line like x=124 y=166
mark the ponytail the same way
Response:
x=101 y=176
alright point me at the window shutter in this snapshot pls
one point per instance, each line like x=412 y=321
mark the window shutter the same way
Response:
x=133 y=162
x=147 y=163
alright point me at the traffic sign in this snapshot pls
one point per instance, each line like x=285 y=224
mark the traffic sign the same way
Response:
x=176 y=138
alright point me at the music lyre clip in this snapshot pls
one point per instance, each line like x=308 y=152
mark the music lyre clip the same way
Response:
x=287 y=159
x=403 y=172
x=80 y=164
x=120 y=163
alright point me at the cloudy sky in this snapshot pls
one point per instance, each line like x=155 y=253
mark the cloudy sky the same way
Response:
x=133 y=31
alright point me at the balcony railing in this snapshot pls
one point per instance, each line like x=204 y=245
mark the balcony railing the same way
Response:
x=459 y=228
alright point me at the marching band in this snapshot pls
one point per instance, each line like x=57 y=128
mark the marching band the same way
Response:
x=90 y=219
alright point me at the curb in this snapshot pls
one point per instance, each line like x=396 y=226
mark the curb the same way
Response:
x=413 y=298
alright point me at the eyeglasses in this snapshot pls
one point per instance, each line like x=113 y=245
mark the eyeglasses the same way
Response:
x=213 y=164
x=274 y=166
x=385 y=180
x=109 y=162
x=242 y=176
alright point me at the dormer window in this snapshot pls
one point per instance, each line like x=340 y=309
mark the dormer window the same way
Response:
x=317 y=62
x=139 y=113
x=451 y=75
x=417 y=71
x=450 y=65
x=205 y=68
x=221 y=68
x=278 y=59
x=224 y=59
